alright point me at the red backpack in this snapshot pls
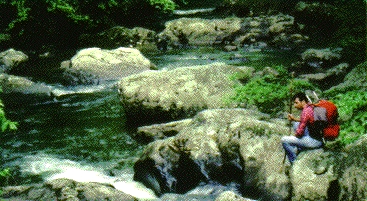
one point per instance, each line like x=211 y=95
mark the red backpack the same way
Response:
x=326 y=119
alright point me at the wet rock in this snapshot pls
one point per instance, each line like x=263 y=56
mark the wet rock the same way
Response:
x=64 y=189
x=161 y=131
x=230 y=48
x=156 y=96
x=16 y=84
x=230 y=196
x=95 y=65
x=11 y=59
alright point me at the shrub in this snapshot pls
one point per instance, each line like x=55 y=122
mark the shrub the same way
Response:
x=4 y=176
x=352 y=107
x=256 y=7
x=5 y=123
x=269 y=93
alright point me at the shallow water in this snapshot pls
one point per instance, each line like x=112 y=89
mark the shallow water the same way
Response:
x=82 y=134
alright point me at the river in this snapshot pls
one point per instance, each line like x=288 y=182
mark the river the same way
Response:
x=83 y=134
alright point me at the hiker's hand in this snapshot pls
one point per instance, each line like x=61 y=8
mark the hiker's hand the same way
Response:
x=291 y=117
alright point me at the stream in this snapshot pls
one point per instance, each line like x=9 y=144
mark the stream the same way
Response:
x=83 y=134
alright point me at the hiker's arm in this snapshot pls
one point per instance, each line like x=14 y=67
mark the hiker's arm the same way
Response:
x=293 y=118
x=306 y=117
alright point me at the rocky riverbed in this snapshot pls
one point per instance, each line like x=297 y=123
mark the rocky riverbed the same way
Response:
x=195 y=138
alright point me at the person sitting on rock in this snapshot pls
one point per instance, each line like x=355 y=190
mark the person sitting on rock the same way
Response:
x=301 y=139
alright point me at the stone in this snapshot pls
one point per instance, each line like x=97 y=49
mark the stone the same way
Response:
x=157 y=96
x=11 y=59
x=95 y=65
x=16 y=84
x=220 y=145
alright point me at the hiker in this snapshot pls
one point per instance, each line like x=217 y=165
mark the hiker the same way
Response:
x=302 y=138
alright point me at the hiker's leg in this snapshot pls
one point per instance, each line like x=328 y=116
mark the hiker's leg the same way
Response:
x=290 y=146
x=308 y=142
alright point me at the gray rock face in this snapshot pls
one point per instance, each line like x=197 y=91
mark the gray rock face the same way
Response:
x=223 y=145
x=10 y=59
x=95 y=65
x=312 y=176
x=170 y=94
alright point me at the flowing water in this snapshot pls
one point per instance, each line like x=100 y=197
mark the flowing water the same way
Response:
x=82 y=135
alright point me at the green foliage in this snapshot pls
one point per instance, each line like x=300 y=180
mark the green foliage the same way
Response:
x=59 y=23
x=5 y=173
x=269 y=93
x=5 y=123
x=66 y=8
x=22 y=12
x=164 y=5
x=352 y=107
x=256 y=7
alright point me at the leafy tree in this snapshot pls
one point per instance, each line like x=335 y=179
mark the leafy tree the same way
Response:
x=34 y=24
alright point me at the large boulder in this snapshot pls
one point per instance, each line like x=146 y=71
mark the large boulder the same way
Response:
x=196 y=31
x=317 y=60
x=223 y=145
x=10 y=59
x=156 y=96
x=64 y=189
x=96 y=65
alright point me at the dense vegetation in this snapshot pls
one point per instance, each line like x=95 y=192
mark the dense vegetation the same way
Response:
x=31 y=24
x=61 y=22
